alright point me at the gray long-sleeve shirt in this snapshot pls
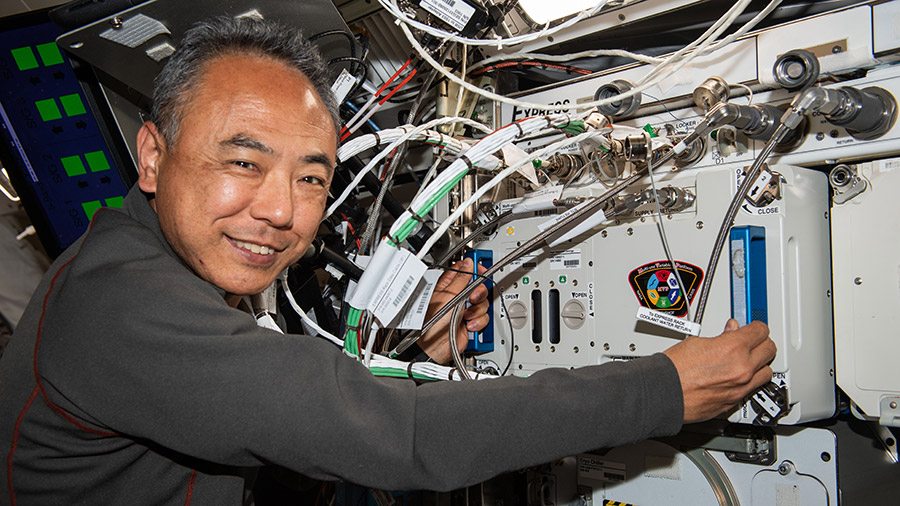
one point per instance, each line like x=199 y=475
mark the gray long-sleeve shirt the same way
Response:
x=130 y=380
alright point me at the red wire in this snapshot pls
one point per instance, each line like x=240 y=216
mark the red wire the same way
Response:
x=383 y=86
x=391 y=94
x=389 y=81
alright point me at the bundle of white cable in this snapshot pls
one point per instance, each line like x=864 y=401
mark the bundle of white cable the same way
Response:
x=681 y=57
x=552 y=148
x=427 y=369
x=353 y=147
x=384 y=153
x=671 y=67
x=486 y=146
x=593 y=53
x=392 y=7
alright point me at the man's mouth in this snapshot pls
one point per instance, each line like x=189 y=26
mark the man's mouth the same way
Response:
x=254 y=248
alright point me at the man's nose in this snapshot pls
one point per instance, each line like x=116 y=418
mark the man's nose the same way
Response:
x=273 y=202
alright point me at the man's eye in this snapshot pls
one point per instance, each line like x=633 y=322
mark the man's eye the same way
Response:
x=243 y=164
x=313 y=180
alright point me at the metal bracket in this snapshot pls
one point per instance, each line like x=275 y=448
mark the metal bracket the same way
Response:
x=766 y=189
x=890 y=412
x=888 y=441
x=747 y=444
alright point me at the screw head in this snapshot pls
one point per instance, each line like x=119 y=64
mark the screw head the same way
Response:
x=606 y=346
x=630 y=231
x=893 y=405
x=632 y=347
x=820 y=136
x=857 y=281
x=699 y=225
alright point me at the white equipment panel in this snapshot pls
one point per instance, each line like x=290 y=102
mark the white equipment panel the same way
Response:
x=865 y=246
x=654 y=472
x=576 y=305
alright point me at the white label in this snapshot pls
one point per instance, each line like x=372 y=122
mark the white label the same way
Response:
x=761 y=211
x=668 y=321
x=400 y=279
x=342 y=85
x=453 y=12
x=596 y=469
x=526 y=262
x=767 y=403
x=513 y=154
x=889 y=165
x=569 y=259
x=556 y=219
x=759 y=185
x=414 y=312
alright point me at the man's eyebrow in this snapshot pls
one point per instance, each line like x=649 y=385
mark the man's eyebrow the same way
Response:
x=244 y=141
x=319 y=158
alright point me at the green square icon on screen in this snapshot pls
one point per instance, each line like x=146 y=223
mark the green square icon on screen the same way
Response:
x=73 y=165
x=72 y=104
x=24 y=57
x=97 y=161
x=91 y=207
x=48 y=109
x=50 y=54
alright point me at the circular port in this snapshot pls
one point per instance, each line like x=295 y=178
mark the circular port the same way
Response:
x=618 y=108
x=796 y=69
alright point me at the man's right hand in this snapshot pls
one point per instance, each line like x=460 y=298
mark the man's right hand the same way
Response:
x=719 y=372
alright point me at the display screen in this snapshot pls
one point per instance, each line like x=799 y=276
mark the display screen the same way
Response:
x=53 y=147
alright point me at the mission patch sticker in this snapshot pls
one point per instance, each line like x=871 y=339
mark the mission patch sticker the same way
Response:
x=656 y=286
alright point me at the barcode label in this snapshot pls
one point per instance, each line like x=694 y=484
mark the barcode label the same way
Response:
x=413 y=315
x=568 y=259
x=403 y=291
x=527 y=262
x=592 y=469
x=400 y=275
x=614 y=476
x=455 y=13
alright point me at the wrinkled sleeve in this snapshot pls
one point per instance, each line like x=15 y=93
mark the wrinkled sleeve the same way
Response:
x=163 y=358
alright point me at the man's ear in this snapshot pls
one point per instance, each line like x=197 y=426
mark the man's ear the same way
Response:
x=151 y=148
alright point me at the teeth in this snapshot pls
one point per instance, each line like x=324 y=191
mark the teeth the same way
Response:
x=255 y=248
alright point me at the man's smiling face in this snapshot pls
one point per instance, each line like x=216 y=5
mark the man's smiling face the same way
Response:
x=240 y=194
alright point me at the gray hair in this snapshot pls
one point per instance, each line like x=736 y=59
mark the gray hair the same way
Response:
x=221 y=36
